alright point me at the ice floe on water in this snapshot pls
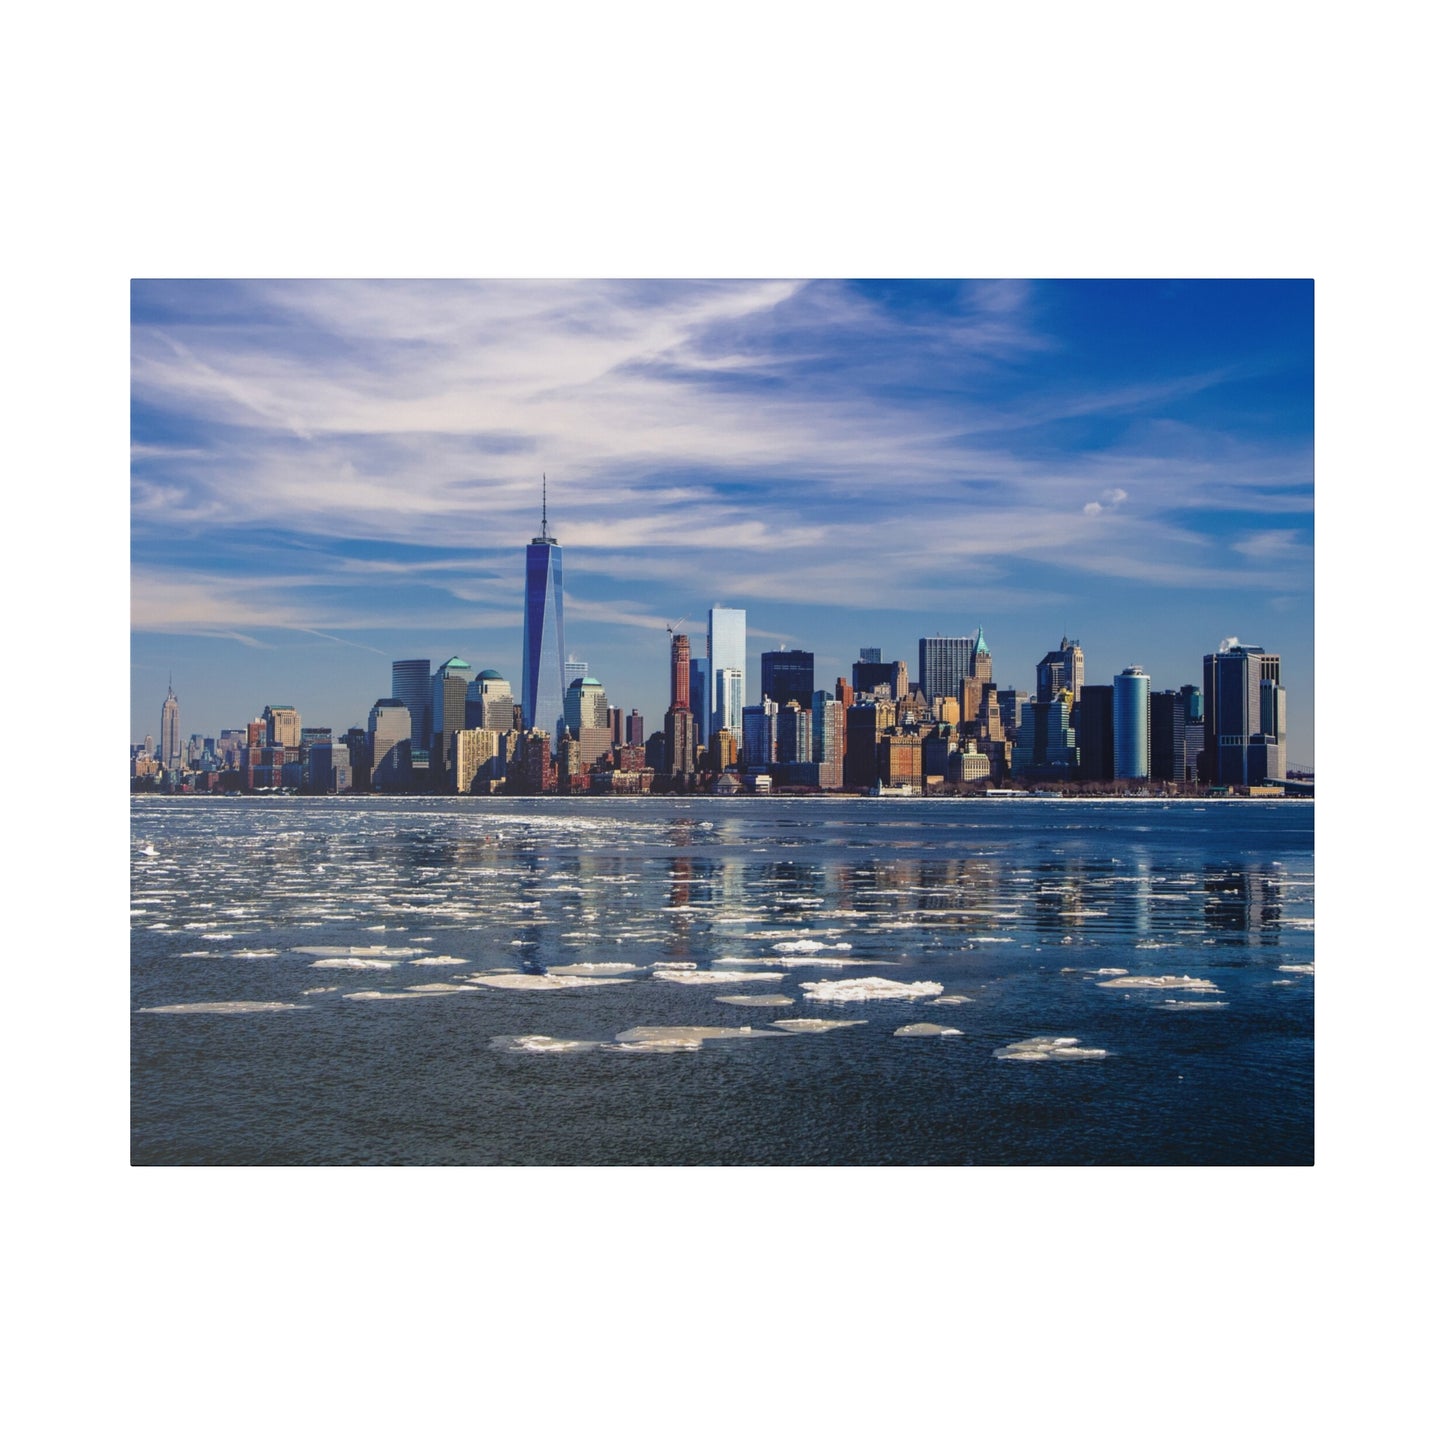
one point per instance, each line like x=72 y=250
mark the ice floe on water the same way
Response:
x=950 y=998
x=1296 y=968
x=1182 y=1005
x=594 y=970
x=924 y=1031
x=230 y=1006
x=756 y=1000
x=328 y=988
x=816 y=1026
x=540 y=1044
x=713 y=975
x=810 y=945
x=367 y=950
x=1182 y=982
x=850 y=990
x=1044 y=1047
x=439 y=960
x=678 y=1038
x=355 y=963
x=537 y=981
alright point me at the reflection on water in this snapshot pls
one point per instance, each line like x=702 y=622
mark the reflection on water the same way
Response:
x=1018 y=908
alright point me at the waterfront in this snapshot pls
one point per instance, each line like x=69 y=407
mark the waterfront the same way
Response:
x=472 y=981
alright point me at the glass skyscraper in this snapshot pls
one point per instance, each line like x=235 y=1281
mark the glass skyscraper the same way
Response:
x=1131 y=724
x=543 y=687
x=727 y=648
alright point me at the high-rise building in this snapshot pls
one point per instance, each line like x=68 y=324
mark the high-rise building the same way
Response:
x=943 y=663
x=283 y=725
x=389 y=735
x=1131 y=724
x=727 y=647
x=1061 y=671
x=728 y=695
x=585 y=711
x=1046 y=747
x=760 y=735
x=411 y=682
x=869 y=674
x=697 y=691
x=542 y=640
x=788 y=676
x=679 y=727
x=872 y=655
x=636 y=736
x=982 y=664
x=795 y=734
x=572 y=669
x=170 y=729
x=830 y=739
x=450 y=684
x=1243 y=716
x=1093 y=723
x=489 y=701
x=1168 y=712
x=867 y=720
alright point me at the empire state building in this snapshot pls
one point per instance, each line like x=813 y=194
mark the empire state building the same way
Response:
x=543 y=686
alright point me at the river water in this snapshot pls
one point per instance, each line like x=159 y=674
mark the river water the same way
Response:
x=669 y=981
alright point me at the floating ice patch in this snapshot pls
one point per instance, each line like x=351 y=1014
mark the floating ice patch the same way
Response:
x=991 y=938
x=1034 y=1050
x=1111 y=972
x=1182 y=982
x=756 y=1000
x=816 y=1026
x=368 y=950
x=924 y=1031
x=1155 y=943
x=1296 y=968
x=438 y=960
x=232 y=1006
x=441 y=988
x=540 y=1044
x=711 y=975
x=851 y=990
x=383 y=995
x=952 y=998
x=538 y=981
x=676 y=963
x=667 y=1039
x=1180 y=1005
x=595 y=970
x=253 y=953
x=330 y=988
x=354 y=963
x=811 y=945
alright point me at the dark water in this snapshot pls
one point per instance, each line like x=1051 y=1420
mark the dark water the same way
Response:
x=1016 y=906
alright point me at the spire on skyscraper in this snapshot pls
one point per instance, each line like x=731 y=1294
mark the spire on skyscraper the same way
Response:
x=544 y=540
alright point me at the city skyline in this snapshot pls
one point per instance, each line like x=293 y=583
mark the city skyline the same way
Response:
x=854 y=464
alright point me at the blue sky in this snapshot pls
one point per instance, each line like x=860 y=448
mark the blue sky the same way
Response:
x=330 y=475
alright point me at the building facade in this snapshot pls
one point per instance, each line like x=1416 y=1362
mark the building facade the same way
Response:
x=543 y=684
x=1131 y=725
x=787 y=676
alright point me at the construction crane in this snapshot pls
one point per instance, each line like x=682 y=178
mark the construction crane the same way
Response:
x=673 y=626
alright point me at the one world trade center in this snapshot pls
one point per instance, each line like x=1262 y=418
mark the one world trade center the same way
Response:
x=542 y=644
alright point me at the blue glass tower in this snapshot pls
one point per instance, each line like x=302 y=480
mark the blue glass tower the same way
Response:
x=543 y=688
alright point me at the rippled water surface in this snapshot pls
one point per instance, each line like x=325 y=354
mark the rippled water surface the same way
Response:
x=529 y=981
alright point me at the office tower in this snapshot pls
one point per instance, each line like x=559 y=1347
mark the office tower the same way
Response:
x=873 y=655
x=943 y=663
x=869 y=674
x=843 y=692
x=636 y=736
x=1061 y=671
x=538 y=770
x=327 y=768
x=788 y=676
x=1047 y=747
x=760 y=735
x=478 y=760
x=1167 y=714
x=389 y=738
x=982 y=662
x=170 y=729
x=1011 y=711
x=572 y=669
x=614 y=726
x=867 y=720
x=569 y=761
x=585 y=711
x=727 y=648
x=1131 y=724
x=830 y=739
x=900 y=759
x=795 y=734
x=679 y=728
x=542 y=640
x=489 y=701
x=283 y=725
x=697 y=696
x=1242 y=695
x=448 y=711
x=411 y=683
x=1093 y=723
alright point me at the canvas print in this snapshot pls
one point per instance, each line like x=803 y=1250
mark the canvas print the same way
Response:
x=722 y=722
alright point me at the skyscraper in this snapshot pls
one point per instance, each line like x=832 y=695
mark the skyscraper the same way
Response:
x=727 y=647
x=679 y=728
x=489 y=701
x=1167 y=713
x=1061 y=671
x=943 y=663
x=389 y=730
x=585 y=709
x=1131 y=724
x=411 y=682
x=542 y=640
x=170 y=729
x=448 y=712
x=788 y=677
x=1243 y=716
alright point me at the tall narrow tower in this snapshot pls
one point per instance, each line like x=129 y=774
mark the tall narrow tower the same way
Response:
x=543 y=688
x=170 y=729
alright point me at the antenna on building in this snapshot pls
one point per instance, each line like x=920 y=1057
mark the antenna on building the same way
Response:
x=544 y=504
